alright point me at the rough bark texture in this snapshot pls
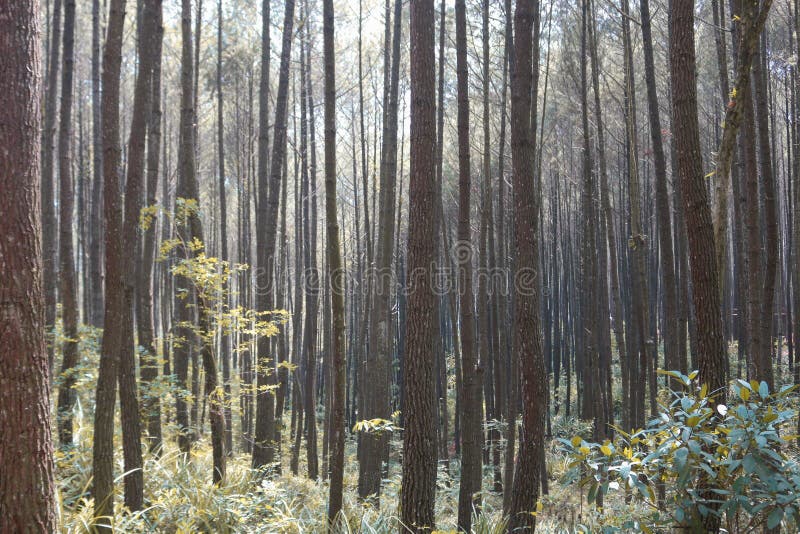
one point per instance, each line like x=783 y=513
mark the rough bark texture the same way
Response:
x=710 y=345
x=103 y=447
x=266 y=236
x=49 y=223
x=419 y=437
x=134 y=190
x=66 y=204
x=527 y=343
x=751 y=19
x=335 y=272
x=666 y=255
x=471 y=409
x=149 y=362
x=376 y=386
x=27 y=488
x=96 y=237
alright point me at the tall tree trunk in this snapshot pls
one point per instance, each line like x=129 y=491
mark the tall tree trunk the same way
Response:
x=187 y=192
x=225 y=348
x=419 y=437
x=588 y=314
x=471 y=408
x=763 y=358
x=376 y=387
x=610 y=231
x=335 y=271
x=96 y=237
x=49 y=222
x=134 y=187
x=266 y=235
x=151 y=403
x=66 y=204
x=666 y=256
x=710 y=348
x=644 y=371
x=311 y=275
x=697 y=211
x=103 y=446
x=527 y=344
x=27 y=487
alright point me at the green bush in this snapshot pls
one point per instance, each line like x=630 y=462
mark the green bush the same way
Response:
x=701 y=458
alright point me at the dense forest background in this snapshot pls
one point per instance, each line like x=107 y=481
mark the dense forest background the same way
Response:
x=486 y=265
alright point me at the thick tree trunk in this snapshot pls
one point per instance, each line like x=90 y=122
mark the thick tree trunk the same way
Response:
x=27 y=488
x=419 y=437
x=527 y=334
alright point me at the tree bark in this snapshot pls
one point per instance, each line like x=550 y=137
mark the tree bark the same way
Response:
x=266 y=236
x=66 y=204
x=471 y=409
x=49 y=223
x=27 y=487
x=103 y=446
x=335 y=271
x=419 y=437
x=527 y=344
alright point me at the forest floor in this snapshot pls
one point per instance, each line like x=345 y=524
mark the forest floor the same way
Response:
x=180 y=498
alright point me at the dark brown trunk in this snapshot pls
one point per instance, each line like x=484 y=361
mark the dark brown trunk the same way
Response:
x=419 y=437
x=335 y=272
x=666 y=255
x=471 y=408
x=66 y=204
x=149 y=361
x=376 y=384
x=266 y=236
x=103 y=446
x=48 y=147
x=527 y=343
x=27 y=487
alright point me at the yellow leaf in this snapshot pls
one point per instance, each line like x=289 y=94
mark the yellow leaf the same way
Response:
x=704 y=391
x=576 y=441
x=605 y=449
x=744 y=393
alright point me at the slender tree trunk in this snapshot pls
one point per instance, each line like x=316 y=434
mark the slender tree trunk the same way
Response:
x=27 y=487
x=103 y=446
x=666 y=256
x=225 y=349
x=763 y=358
x=335 y=271
x=66 y=204
x=471 y=377
x=376 y=390
x=151 y=403
x=49 y=222
x=96 y=237
x=266 y=236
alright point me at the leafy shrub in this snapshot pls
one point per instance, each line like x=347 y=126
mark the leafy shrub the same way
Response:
x=728 y=462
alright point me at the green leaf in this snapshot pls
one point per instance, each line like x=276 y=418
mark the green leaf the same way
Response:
x=775 y=516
